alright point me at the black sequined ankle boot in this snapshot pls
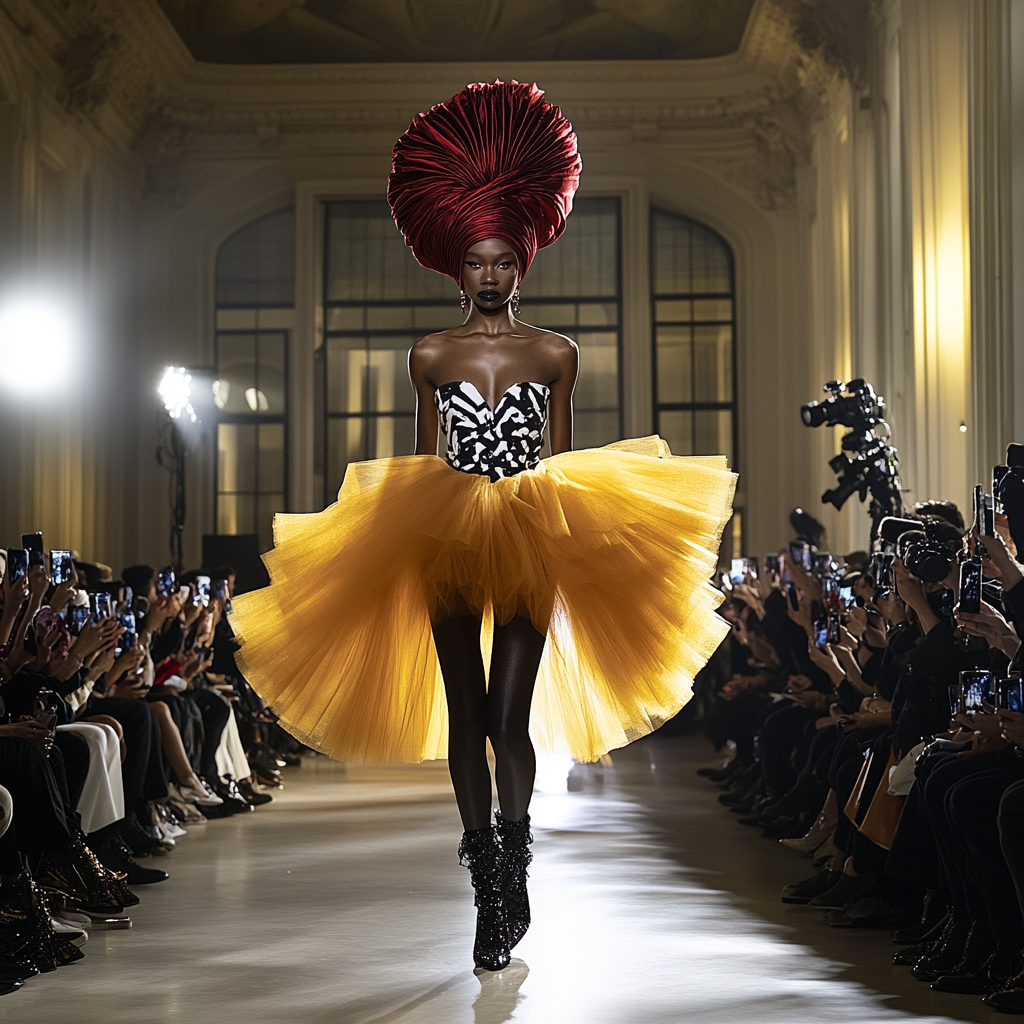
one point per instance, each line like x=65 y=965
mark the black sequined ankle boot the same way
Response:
x=515 y=838
x=481 y=853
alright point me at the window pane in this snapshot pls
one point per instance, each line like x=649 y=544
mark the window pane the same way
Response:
x=675 y=373
x=712 y=261
x=267 y=505
x=673 y=309
x=713 y=359
x=676 y=427
x=712 y=432
x=345 y=443
x=598 y=314
x=584 y=262
x=271 y=373
x=347 y=360
x=388 y=387
x=598 y=384
x=236 y=371
x=236 y=513
x=550 y=316
x=388 y=318
x=437 y=318
x=236 y=457
x=594 y=429
x=712 y=309
x=271 y=465
x=346 y=318
x=368 y=260
x=256 y=265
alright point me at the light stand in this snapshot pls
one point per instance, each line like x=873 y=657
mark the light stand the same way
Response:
x=176 y=390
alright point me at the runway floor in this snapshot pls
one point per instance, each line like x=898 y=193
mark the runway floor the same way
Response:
x=343 y=903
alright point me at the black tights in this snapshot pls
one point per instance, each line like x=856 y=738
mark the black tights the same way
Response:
x=500 y=712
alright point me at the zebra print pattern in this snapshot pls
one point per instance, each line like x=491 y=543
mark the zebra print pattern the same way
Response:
x=496 y=443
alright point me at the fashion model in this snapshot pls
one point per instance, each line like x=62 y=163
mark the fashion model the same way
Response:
x=491 y=595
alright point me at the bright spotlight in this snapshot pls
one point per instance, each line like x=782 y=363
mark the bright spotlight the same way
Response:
x=37 y=345
x=176 y=391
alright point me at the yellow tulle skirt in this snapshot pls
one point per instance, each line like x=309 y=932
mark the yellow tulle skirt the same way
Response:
x=608 y=550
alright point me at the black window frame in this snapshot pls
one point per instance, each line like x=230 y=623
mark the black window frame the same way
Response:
x=659 y=407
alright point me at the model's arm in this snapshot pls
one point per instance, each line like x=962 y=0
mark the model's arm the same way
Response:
x=567 y=358
x=426 y=411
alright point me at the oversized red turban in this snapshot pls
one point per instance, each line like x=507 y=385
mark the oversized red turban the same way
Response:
x=495 y=161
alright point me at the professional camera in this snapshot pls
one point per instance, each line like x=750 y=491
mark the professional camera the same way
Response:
x=872 y=465
x=1008 y=489
x=928 y=547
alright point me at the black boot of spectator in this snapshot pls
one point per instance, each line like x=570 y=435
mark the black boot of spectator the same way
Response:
x=114 y=854
x=948 y=953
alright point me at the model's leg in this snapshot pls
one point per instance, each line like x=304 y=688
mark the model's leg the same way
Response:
x=457 y=641
x=515 y=658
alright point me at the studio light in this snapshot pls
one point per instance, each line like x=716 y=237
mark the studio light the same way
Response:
x=176 y=391
x=37 y=345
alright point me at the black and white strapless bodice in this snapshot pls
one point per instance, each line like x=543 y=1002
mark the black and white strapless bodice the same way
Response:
x=493 y=443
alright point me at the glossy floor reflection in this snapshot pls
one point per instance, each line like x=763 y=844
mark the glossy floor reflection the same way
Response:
x=343 y=903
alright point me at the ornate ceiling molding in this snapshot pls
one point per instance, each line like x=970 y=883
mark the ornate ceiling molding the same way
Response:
x=119 y=67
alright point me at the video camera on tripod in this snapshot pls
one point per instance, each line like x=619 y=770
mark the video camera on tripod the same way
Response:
x=866 y=463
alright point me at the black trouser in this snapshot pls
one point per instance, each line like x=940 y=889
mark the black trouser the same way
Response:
x=40 y=823
x=781 y=748
x=75 y=753
x=972 y=807
x=1011 y=836
x=216 y=710
x=142 y=772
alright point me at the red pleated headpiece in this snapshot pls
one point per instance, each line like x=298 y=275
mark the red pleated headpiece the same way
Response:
x=495 y=161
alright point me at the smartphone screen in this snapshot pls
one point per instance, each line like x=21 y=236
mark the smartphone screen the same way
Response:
x=203 y=588
x=970 y=586
x=988 y=516
x=165 y=583
x=833 y=629
x=771 y=564
x=17 y=563
x=1012 y=693
x=956 y=701
x=846 y=598
x=821 y=632
x=61 y=566
x=100 y=605
x=794 y=600
x=800 y=552
x=976 y=686
x=79 y=617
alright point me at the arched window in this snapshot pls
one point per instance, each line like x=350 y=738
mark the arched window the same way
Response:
x=378 y=301
x=693 y=312
x=255 y=273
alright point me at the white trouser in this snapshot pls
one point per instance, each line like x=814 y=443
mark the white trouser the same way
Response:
x=102 y=800
x=230 y=753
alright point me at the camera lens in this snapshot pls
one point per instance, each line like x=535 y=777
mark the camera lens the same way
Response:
x=814 y=414
x=929 y=562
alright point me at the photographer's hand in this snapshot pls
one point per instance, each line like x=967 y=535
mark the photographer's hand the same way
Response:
x=15 y=596
x=991 y=626
x=825 y=659
x=1008 y=568
x=748 y=596
x=801 y=615
x=913 y=591
x=62 y=594
x=805 y=582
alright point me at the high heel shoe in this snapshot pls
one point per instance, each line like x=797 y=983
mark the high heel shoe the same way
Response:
x=480 y=851
x=515 y=838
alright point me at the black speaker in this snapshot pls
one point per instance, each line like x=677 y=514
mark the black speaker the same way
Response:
x=242 y=552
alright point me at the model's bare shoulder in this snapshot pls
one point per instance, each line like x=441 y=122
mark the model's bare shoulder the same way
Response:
x=424 y=354
x=563 y=353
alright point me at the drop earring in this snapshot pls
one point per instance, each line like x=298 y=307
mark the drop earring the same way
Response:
x=515 y=303
x=463 y=299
